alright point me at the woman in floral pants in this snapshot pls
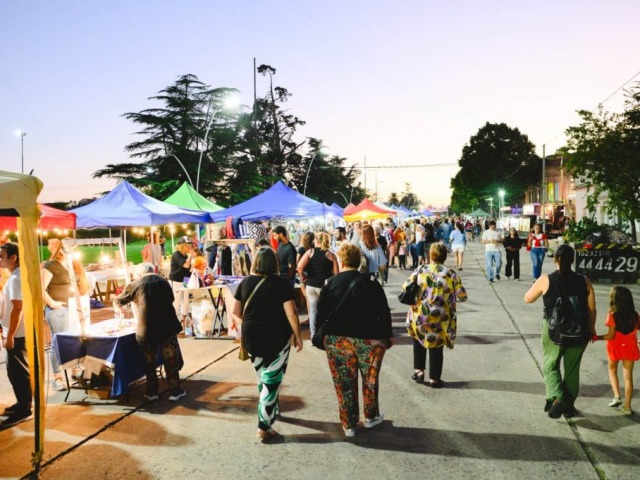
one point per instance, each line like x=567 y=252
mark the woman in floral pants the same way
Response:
x=357 y=336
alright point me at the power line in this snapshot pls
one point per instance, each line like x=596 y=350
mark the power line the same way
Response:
x=620 y=88
x=412 y=166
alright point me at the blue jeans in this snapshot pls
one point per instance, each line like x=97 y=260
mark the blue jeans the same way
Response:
x=58 y=320
x=413 y=250
x=537 y=257
x=493 y=262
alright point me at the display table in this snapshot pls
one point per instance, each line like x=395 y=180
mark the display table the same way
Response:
x=104 y=347
x=112 y=278
x=219 y=295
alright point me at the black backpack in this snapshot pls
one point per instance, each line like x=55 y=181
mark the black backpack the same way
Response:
x=567 y=319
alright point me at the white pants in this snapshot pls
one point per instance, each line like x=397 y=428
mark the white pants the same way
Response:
x=180 y=299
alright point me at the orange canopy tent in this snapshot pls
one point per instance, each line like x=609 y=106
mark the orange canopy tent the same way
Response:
x=49 y=218
x=367 y=210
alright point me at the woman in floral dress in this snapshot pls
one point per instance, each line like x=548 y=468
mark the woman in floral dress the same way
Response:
x=432 y=322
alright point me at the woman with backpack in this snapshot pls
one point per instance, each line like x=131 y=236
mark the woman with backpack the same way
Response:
x=568 y=286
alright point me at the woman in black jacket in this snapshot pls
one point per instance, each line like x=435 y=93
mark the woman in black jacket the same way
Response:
x=357 y=337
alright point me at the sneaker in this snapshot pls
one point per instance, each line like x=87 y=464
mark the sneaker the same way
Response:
x=151 y=396
x=59 y=385
x=516 y=279
x=177 y=395
x=497 y=277
x=15 y=419
x=626 y=411
x=491 y=280
x=616 y=402
x=349 y=432
x=373 y=422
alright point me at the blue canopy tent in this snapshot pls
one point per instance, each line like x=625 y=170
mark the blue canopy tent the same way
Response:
x=279 y=201
x=126 y=206
x=339 y=211
x=426 y=212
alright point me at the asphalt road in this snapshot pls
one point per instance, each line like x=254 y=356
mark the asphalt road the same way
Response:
x=487 y=423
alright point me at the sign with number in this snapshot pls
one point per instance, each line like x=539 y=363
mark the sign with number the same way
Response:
x=608 y=262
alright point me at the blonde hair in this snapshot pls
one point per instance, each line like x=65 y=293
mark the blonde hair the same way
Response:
x=323 y=239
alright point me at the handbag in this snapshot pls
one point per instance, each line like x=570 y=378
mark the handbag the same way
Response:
x=318 y=338
x=242 y=352
x=409 y=296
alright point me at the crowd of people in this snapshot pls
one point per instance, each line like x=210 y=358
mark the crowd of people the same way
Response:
x=342 y=276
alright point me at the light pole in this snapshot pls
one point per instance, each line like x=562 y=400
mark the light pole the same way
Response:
x=501 y=202
x=490 y=200
x=304 y=190
x=228 y=103
x=342 y=195
x=21 y=134
x=185 y=170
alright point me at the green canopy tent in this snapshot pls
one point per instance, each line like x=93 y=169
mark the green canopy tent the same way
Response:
x=187 y=197
x=478 y=213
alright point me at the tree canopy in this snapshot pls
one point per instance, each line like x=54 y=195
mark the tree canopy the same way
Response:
x=227 y=154
x=603 y=153
x=498 y=157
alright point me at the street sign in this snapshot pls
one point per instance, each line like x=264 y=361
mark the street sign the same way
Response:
x=608 y=262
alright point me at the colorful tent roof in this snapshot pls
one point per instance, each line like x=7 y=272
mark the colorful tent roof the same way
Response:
x=279 y=201
x=49 y=218
x=126 y=206
x=367 y=210
x=187 y=197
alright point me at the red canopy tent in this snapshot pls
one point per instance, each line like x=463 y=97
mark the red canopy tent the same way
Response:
x=348 y=209
x=49 y=218
x=367 y=210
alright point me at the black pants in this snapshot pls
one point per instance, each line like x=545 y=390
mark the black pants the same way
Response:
x=18 y=373
x=436 y=357
x=513 y=258
x=402 y=260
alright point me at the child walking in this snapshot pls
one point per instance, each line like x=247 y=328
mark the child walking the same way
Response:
x=622 y=344
x=402 y=254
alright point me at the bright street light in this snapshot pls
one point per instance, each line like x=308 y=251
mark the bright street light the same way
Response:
x=230 y=102
x=21 y=134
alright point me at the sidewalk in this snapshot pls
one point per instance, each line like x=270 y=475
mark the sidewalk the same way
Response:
x=487 y=423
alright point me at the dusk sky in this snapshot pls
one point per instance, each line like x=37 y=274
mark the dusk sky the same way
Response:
x=400 y=82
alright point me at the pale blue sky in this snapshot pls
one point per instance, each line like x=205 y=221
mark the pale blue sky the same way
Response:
x=398 y=82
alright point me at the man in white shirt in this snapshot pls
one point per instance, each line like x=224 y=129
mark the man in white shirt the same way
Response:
x=492 y=255
x=13 y=328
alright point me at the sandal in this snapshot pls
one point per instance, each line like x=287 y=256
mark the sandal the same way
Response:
x=418 y=377
x=267 y=435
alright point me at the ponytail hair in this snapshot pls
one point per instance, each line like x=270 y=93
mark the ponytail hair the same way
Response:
x=564 y=259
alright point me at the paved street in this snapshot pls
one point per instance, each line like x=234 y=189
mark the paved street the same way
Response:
x=487 y=423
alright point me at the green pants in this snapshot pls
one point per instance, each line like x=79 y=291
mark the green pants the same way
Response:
x=556 y=386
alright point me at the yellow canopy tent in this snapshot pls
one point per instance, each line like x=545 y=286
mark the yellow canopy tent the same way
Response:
x=18 y=197
x=367 y=210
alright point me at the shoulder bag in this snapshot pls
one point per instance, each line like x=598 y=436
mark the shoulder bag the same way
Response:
x=318 y=338
x=409 y=296
x=242 y=353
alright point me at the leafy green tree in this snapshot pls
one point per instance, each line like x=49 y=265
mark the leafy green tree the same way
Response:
x=497 y=157
x=409 y=199
x=189 y=124
x=604 y=153
x=393 y=199
x=326 y=177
